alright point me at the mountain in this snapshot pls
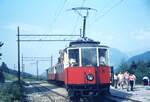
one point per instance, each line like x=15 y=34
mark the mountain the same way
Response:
x=13 y=74
x=140 y=57
x=116 y=57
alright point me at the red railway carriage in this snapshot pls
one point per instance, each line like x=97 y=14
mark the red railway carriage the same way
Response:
x=51 y=73
x=84 y=69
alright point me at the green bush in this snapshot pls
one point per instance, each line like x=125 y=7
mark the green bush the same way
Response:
x=11 y=93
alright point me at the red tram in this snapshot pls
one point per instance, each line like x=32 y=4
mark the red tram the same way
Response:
x=83 y=68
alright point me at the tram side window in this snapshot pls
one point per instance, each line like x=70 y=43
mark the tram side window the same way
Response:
x=103 y=56
x=74 y=57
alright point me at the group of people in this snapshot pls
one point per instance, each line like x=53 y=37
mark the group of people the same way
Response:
x=125 y=79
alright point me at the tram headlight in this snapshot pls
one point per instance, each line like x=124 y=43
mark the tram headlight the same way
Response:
x=90 y=77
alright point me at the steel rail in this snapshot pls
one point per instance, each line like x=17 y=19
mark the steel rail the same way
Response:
x=43 y=88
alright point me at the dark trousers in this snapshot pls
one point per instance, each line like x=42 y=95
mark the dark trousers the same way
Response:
x=115 y=83
x=131 y=84
x=145 y=82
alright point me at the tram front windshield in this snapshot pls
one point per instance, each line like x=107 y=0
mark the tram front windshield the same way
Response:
x=89 y=57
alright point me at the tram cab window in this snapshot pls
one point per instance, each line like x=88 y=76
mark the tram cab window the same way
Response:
x=103 y=60
x=89 y=57
x=73 y=57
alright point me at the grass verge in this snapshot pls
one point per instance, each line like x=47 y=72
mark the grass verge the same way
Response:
x=11 y=92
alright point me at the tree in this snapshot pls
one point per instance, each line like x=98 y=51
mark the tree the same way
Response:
x=123 y=66
x=148 y=63
x=133 y=67
x=140 y=69
x=1 y=44
x=2 y=78
x=4 y=67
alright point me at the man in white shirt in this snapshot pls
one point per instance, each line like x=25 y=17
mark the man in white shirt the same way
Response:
x=145 y=80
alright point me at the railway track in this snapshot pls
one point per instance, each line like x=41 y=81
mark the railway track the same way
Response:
x=46 y=94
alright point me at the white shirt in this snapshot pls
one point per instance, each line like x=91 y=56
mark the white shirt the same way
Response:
x=145 y=77
x=115 y=77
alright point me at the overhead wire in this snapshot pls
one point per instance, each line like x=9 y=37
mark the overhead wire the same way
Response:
x=76 y=22
x=107 y=11
x=103 y=8
x=57 y=14
x=60 y=11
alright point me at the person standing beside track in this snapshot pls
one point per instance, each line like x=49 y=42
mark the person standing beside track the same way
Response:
x=132 y=79
x=120 y=80
x=145 y=80
x=115 y=81
x=126 y=79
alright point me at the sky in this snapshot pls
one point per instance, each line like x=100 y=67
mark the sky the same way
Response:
x=120 y=24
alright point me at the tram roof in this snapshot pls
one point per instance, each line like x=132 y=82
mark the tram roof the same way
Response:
x=85 y=42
